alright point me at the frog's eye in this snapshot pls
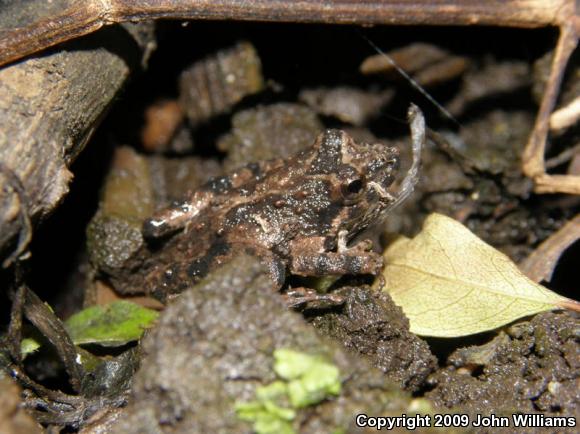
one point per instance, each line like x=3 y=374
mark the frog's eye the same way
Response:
x=352 y=188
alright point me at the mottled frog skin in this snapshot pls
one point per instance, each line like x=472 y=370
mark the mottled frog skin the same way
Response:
x=296 y=214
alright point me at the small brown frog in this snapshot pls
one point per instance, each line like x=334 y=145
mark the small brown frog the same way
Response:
x=296 y=214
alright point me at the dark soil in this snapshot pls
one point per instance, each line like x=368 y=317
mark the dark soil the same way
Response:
x=532 y=366
x=373 y=326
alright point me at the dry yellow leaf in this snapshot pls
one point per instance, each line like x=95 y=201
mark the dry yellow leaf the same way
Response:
x=450 y=283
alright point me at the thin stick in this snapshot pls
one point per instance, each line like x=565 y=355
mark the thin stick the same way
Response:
x=541 y=263
x=53 y=329
x=533 y=157
x=566 y=116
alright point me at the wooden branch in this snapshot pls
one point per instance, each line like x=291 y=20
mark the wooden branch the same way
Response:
x=49 y=107
x=84 y=17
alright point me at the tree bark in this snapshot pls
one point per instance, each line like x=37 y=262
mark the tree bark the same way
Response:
x=49 y=107
x=75 y=18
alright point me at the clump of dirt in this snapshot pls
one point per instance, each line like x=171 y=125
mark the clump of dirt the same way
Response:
x=371 y=325
x=270 y=131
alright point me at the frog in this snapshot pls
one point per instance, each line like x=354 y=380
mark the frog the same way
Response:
x=298 y=215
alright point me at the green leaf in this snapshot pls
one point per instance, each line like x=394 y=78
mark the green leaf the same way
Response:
x=450 y=283
x=112 y=325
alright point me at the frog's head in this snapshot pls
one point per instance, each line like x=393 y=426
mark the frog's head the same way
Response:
x=360 y=174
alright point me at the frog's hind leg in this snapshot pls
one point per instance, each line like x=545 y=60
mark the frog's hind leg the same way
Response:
x=273 y=263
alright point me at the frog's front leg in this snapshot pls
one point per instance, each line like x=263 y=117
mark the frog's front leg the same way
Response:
x=309 y=257
x=177 y=215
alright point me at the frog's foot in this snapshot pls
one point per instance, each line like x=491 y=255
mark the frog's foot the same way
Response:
x=304 y=299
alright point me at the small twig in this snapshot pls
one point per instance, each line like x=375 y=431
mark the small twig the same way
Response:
x=557 y=184
x=55 y=407
x=563 y=156
x=55 y=396
x=540 y=264
x=53 y=329
x=533 y=157
x=46 y=402
x=566 y=116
